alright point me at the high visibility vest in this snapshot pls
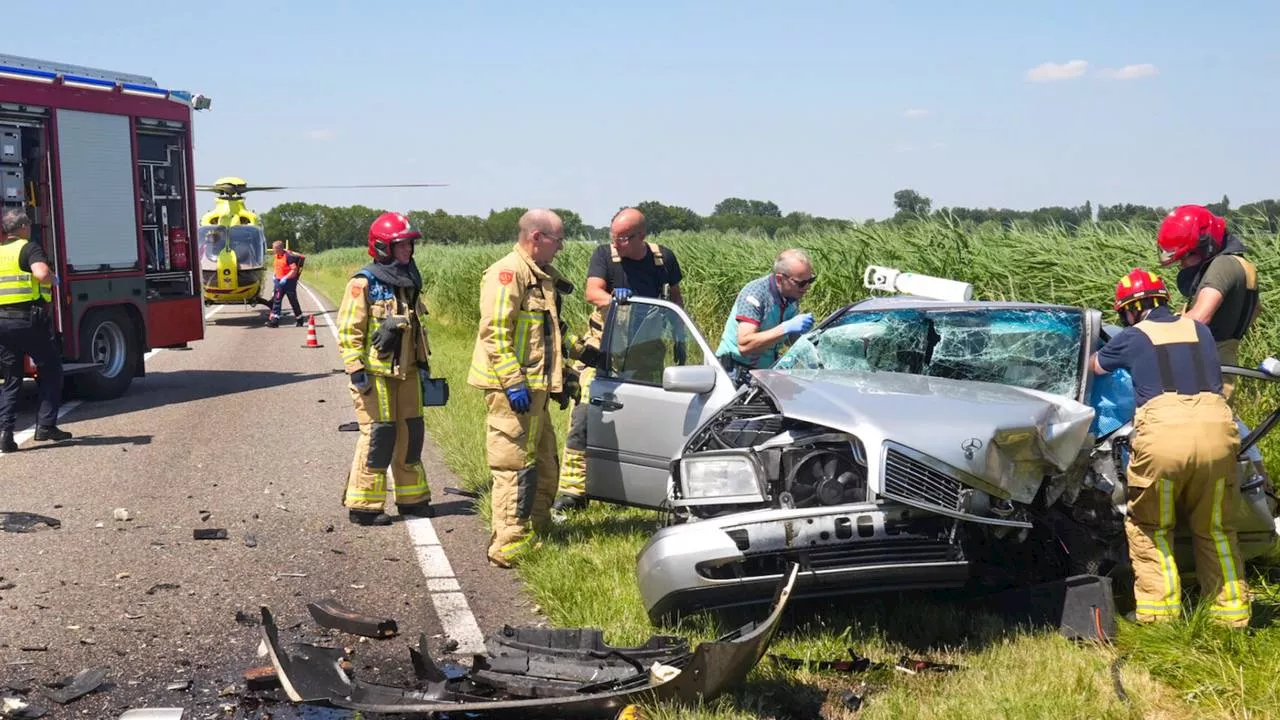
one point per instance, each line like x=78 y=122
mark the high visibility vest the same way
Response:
x=17 y=285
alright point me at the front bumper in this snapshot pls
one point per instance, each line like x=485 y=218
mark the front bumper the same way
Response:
x=739 y=559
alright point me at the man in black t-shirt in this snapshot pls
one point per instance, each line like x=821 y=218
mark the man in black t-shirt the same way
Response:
x=25 y=329
x=628 y=265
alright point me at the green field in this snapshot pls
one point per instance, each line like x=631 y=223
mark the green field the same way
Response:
x=584 y=575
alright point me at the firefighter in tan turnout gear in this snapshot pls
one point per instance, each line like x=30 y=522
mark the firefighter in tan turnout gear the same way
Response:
x=519 y=362
x=1184 y=451
x=384 y=349
x=627 y=266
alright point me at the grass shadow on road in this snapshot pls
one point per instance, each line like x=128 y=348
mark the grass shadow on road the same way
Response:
x=172 y=388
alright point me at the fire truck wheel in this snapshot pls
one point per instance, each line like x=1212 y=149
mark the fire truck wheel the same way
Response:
x=109 y=338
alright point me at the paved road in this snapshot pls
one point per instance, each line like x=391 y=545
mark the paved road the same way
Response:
x=239 y=432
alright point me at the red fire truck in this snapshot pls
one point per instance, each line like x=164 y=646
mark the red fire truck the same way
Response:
x=101 y=161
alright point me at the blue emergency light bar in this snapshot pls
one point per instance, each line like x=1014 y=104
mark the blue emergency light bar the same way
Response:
x=15 y=72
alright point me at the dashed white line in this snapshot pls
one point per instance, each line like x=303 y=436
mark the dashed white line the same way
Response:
x=25 y=435
x=451 y=605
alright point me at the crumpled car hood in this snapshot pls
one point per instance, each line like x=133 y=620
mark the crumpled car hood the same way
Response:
x=1006 y=436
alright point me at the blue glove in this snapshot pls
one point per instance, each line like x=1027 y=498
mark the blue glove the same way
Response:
x=798 y=324
x=518 y=396
x=621 y=294
x=360 y=381
x=57 y=280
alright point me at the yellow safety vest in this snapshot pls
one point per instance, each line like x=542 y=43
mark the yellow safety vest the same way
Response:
x=17 y=285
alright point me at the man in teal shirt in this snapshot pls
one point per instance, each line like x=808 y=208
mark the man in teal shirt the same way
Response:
x=765 y=315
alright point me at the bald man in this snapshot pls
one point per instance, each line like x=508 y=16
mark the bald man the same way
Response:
x=628 y=266
x=519 y=362
x=766 y=315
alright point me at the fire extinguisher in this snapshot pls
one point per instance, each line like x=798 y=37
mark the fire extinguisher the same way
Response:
x=178 y=248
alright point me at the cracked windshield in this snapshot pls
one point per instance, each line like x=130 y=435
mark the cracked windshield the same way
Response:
x=1031 y=348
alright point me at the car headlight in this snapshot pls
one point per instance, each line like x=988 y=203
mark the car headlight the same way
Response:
x=718 y=477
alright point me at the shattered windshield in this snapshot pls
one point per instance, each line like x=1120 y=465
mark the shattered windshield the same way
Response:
x=1035 y=348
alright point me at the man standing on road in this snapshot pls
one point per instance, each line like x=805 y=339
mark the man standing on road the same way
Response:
x=1220 y=285
x=383 y=341
x=288 y=268
x=628 y=266
x=764 y=316
x=1183 y=460
x=519 y=361
x=26 y=328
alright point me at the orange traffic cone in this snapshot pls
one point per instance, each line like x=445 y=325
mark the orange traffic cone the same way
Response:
x=311 y=334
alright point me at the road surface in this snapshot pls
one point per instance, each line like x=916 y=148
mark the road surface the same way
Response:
x=239 y=432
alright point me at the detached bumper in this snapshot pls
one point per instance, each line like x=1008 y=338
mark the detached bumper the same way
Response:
x=739 y=559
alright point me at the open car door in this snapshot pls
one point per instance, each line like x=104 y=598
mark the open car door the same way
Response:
x=1256 y=523
x=635 y=426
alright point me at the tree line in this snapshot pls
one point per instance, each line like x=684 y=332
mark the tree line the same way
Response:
x=311 y=227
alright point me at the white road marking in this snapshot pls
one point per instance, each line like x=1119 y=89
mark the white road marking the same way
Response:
x=451 y=605
x=67 y=407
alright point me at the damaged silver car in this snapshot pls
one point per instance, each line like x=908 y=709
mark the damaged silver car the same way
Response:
x=903 y=443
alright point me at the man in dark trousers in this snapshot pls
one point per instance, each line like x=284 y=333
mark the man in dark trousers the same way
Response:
x=25 y=329
x=288 y=266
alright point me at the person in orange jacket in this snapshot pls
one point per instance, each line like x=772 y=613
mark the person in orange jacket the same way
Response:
x=288 y=267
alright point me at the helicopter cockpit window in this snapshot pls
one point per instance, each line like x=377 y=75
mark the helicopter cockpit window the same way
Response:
x=247 y=242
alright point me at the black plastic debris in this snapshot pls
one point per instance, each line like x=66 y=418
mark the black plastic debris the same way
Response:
x=1081 y=607
x=22 y=522
x=75 y=686
x=209 y=534
x=534 y=672
x=460 y=491
x=162 y=586
x=329 y=613
x=349 y=427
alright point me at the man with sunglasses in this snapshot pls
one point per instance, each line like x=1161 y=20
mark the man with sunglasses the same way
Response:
x=766 y=314
x=628 y=266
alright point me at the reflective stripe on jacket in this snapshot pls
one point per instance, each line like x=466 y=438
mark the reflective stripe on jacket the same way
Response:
x=17 y=285
x=519 y=336
x=366 y=305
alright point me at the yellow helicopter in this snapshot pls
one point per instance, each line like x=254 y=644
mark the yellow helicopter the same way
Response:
x=233 y=243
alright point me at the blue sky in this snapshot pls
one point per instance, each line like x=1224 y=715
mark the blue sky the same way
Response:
x=824 y=107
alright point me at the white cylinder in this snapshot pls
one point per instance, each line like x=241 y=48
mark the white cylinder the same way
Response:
x=933 y=287
x=1270 y=366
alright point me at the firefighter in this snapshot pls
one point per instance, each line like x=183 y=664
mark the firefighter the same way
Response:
x=1183 y=459
x=288 y=268
x=383 y=341
x=627 y=266
x=1220 y=285
x=766 y=314
x=519 y=362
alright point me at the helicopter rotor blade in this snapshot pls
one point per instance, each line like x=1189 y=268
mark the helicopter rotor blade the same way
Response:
x=343 y=187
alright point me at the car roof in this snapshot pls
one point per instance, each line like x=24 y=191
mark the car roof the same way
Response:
x=896 y=302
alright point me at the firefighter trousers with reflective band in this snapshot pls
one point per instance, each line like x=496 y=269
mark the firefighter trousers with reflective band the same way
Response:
x=521 y=451
x=391 y=436
x=1184 y=463
x=573 y=465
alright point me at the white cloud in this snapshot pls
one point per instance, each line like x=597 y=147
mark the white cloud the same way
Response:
x=1049 y=72
x=1130 y=72
x=915 y=113
x=904 y=148
x=320 y=134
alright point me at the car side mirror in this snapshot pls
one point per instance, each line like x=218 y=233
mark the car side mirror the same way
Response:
x=689 y=378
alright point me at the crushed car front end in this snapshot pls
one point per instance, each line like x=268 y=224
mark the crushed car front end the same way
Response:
x=873 y=479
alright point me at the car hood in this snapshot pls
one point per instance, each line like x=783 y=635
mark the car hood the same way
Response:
x=1006 y=436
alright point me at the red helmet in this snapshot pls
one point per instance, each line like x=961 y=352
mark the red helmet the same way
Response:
x=389 y=229
x=1138 y=285
x=1187 y=228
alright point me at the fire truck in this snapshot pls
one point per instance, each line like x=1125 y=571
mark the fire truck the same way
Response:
x=102 y=163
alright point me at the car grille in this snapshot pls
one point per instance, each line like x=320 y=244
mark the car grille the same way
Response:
x=911 y=481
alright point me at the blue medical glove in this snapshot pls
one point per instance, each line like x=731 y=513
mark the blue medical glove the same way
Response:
x=798 y=324
x=360 y=380
x=57 y=280
x=621 y=294
x=519 y=398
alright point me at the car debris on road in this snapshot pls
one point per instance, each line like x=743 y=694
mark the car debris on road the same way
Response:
x=536 y=672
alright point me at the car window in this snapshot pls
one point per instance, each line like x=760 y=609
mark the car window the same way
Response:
x=247 y=242
x=1036 y=348
x=645 y=339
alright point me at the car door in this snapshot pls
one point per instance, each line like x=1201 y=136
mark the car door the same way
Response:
x=635 y=426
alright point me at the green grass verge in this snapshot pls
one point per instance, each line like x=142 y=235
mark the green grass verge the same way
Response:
x=584 y=575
